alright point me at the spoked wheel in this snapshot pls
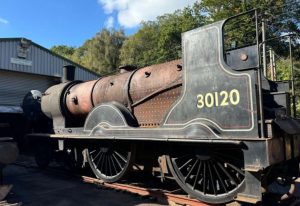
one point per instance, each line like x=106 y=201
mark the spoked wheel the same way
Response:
x=110 y=161
x=210 y=174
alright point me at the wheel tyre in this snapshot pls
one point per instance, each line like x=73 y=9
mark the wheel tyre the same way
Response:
x=111 y=162
x=212 y=174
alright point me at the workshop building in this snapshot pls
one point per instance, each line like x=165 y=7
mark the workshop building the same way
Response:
x=25 y=66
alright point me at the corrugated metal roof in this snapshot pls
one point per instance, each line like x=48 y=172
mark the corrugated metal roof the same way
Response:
x=39 y=60
x=15 y=85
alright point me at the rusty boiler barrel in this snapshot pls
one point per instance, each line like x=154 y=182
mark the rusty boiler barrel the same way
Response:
x=148 y=92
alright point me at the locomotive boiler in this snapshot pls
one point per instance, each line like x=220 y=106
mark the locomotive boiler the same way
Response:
x=147 y=93
x=225 y=130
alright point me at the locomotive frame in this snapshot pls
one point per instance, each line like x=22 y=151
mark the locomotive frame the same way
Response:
x=219 y=142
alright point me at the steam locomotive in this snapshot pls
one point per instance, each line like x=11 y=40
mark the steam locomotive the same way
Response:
x=224 y=129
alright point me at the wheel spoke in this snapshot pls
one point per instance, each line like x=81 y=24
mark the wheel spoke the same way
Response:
x=190 y=172
x=114 y=166
x=106 y=165
x=185 y=164
x=109 y=166
x=235 y=168
x=211 y=178
x=119 y=155
x=227 y=174
x=99 y=159
x=119 y=164
x=102 y=163
x=204 y=178
x=231 y=165
x=207 y=174
x=220 y=179
x=197 y=175
x=97 y=155
x=110 y=162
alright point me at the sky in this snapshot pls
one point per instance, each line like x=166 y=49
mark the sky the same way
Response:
x=72 y=22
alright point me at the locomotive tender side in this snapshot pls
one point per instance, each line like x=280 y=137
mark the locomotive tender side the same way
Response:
x=204 y=101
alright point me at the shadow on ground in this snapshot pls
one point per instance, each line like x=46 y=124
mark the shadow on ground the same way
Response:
x=54 y=187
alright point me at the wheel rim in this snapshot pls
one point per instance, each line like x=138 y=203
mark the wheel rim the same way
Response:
x=110 y=162
x=210 y=174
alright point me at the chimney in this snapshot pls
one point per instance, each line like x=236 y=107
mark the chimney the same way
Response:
x=68 y=73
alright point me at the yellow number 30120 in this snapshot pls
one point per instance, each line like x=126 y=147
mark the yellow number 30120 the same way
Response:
x=217 y=99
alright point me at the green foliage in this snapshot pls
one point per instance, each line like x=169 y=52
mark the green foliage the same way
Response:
x=160 y=40
x=240 y=31
x=171 y=28
x=63 y=50
x=141 y=48
x=218 y=10
x=283 y=69
x=280 y=16
x=100 y=54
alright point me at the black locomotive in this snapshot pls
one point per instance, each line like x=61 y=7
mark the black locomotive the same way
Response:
x=226 y=131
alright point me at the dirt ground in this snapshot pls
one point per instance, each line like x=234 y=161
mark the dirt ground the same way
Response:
x=58 y=187
x=53 y=187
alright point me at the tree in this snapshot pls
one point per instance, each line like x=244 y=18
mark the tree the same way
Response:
x=280 y=16
x=63 y=50
x=160 y=40
x=141 y=49
x=100 y=54
x=171 y=28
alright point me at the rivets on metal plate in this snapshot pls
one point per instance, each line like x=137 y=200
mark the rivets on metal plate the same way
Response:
x=244 y=57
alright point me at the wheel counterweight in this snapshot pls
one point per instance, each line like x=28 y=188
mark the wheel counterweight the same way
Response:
x=110 y=161
x=210 y=174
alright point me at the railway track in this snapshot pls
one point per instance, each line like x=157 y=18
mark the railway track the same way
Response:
x=149 y=189
x=173 y=199
x=162 y=196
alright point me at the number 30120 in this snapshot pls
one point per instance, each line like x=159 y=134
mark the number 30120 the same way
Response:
x=217 y=99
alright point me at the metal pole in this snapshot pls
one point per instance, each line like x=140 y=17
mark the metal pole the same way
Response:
x=259 y=74
x=271 y=64
x=263 y=30
x=274 y=66
x=292 y=77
